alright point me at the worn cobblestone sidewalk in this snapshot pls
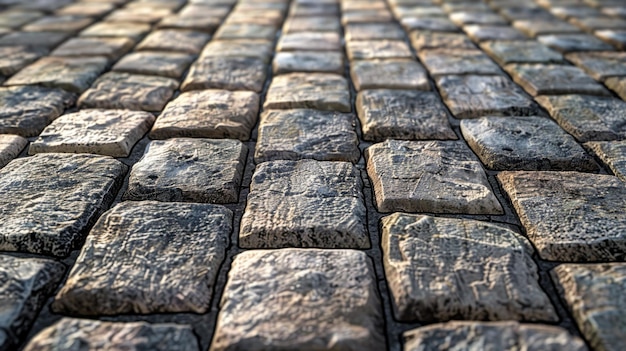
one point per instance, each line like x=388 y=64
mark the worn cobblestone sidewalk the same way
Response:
x=312 y=175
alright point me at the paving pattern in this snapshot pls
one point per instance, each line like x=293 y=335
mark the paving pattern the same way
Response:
x=312 y=175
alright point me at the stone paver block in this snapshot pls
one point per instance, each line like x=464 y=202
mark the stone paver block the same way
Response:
x=388 y=74
x=590 y=23
x=378 y=49
x=366 y=16
x=201 y=24
x=295 y=289
x=570 y=216
x=427 y=23
x=551 y=79
x=230 y=73
x=10 y=147
x=305 y=203
x=15 y=18
x=314 y=23
x=138 y=15
x=89 y=9
x=479 y=32
x=458 y=61
x=47 y=201
x=59 y=23
x=423 y=39
x=462 y=18
x=14 y=58
x=111 y=48
x=132 y=30
x=46 y=40
x=189 y=170
x=307 y=61
x=374 y=31
x=618 y=85
x=186 y=41
x=612 y=153
x=536 y=26
x=309 y=41
x=245 y=31
x=527 y=51
x=600 y=65
x=321 y=91
x=616 y=38
x=165 y=64
x=574 y=42
x=255 y=48
x=429 y=176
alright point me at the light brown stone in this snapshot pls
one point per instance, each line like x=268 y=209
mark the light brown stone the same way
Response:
x=10 y=147
x=111 y=48
x=534 y=27
x=388 y=74
x=131 y=30
x=322 y=91
x=255 y=48
x=245 y=31
x=618 y=85
x=612 y=154
x=424 y=39
x=185 y=41
x=314 y=23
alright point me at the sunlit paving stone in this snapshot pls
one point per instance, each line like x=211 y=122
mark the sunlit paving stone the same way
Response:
x=366 y=16
x=378 y=49
x=230 y=73
x=424 y=39
x=481 y=32
x=90 y=9
x=462 y=18
x=314 y=23
x=612 y=154
x=240 y=48
x=520 y=51
x=112 y=48
x=374 y=31
x=551 y=79
x=47 y=40
x=600 y=65
x=613 y=37
x=186 y=41
x=10 y=147
x=137 y=14
x=158 y=63
x=456 y=61
x=534 y=27
x=307 y=61
x=321 y=91
x=309 y=41
x=599 y=22
x=62 y=23
x=131 y=30
x=389 y=74
x=574 y=42
x=618 y=85
x=202 y=24
x=245 y=31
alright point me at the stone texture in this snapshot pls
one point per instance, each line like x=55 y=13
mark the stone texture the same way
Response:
x=111 y=48
x=377 y=49
x=373 y=31
x=479 y=32
x=612 y=154
x=534 y=27
x=306 y=61
x=462 y=18
x=309 y=41
x=185 y=41
x=388 y=74
x=574 y=42
x=10 y=147
x=434 y=24
x=245 y=31
x=618 y=85
x=48 y=201
x=103 y=132
x=305 y=203
x=429 y=176
x=132 y=30
x=255 y=48
x=230 y=73
x=303 y=300
x=14 y=58
x=15 y=18
x=60 y=23
x=616 y=38
x=600 y=65
x=321 y=91
x=570 y=216
x=458 y=61
x=165 y=64
x=366 y=16
x=527 y=51
x=138 y=15
x=550 y=79
x=599 y=22
x=189 y=170
x=46 y=40
x=314 y=23
x=201 y=24
x=90 y=9
x=422 y=39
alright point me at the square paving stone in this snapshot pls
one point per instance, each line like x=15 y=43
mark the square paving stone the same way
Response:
x=534 y=27
x=189 y=170
x=307 y=61
x=481 y=271
x=47 y=201
x=294 y=290
x=10 y=146
x=389 y=74
x=138 y=14
x=26 y=284
x=520 y=51
x=373 y=31
x=102 y=132
x=131 y=30
x=600 y=65
x=26 y=110
x=618 y=85
x=158 y=63
x=263 y=17
x=309 y=41
x=512 y=143
x=423 y=39
x=321 y=91
x=299 y=134
x=240 y=48
x=148 y=257
x=475 y=96
x=185 y=41
x=570 y=216
x=230 y=73
x=429 y=176
x=574 y=42
x=366 y=16
x=201 y=24
x=613 y=37
x=245 y=31
x=62 y=23
x=587 y=117
x=314 y=23
x=594 y=294
x=47 y=40
x=305 y=203
x=378 y=49
x=611 y=153
x=554 y=79
x=458 y=61
x=116 y=90
x=435 y=24
x=480 y=32
x=112 y=48
x=462 y=18
x=402 y=114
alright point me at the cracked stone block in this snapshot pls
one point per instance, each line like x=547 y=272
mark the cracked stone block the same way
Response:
x=458 y=61
x=618 y=85
x=305 y=203
x=527 y=51
x=462 y=18
x=309 y=41
x=594 y=294
x=208 y=114
x=511 y=143
x=587 y=117
x=426 y=23
x=314 y=23
x=378 y=49
x=611 y=153
x=306 y=61
x=616 y=38
x=26 y=284
x=72 y=334
x=508 y=335
x=473 y=96
x=402 y=114
x=111 y=48
x=135 y=31
x=374 y=31
x=429 y=176
x=189 y=170
x=366 y=16
x=301 y=133
x=48 y=201
x=480 y=32
x=27 y=110
x=554 y=79
x=389 y=74
x=47 y=40
x=536 y=26
x=423 y=39
x=14 y=58
x=321 y=91
x=62 y=23
x=245 y=31
x=201 y=24
x=481 y=271
x=230 y=73
x=74 y=74
x=241 y=48
x=570 y=216
x=102 y=132
x=148 y=257
x=10 y=147
x=295 y=289
x=574 y=42
x=165 y=64
x=600 y=65
x=185 y=41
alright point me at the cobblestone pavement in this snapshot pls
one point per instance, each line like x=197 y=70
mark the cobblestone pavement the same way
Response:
x=312 y=175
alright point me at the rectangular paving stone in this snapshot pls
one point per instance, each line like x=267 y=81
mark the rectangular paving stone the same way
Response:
x=590 y=23
x=158 y=63
x=424 y=39
x=59 y=23
x=10 y=147
x=112 y=48
x=309 y=41
x=137 y=14
x=378 y=49
x=47 y=201
x=366 y=16
x=245 y=31
x=308 y=61
x=482 y=32
x=47 y=40
x=535 y=27
x=518 y=51
x=570 y=216
x=458 y=61
x=612 y=154
x=255 y=48
x=90 y=9
x=189 y=170
x=131 y=30
x=321 y=91
x=480 y=271
x=600 y=65
x=429 y=176
x=574 y=42
x=15 y=18
x=461 y=18
x=553 y=79
x=435 y=24
x=185 y=41
x=202 y=24
x=230 y=73
x=373 y=31
x=314 y=23
x=616 y=38
x=295 y=289
x=305 y=203
x=618 y=85
x=388 y=74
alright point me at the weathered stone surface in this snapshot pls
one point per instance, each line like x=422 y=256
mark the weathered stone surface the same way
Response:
x=612 y=154
x=26 y=284
x=570 y=216
x=618 y=85
x=422 y=39
x=201 y=24
x=458 y=61
x=165 y=64
x=26 y=110
x=15 y=18
x=90 y=335
x=309 y=41
x=600 y=65
x=186 y=41
x=295 y=290
x=299 y=134
x=208 y=114
x=189 y=170
x=594 y=294
x=480 y=271
x=435 y=24
x=402 y=114
x=525 y=143
x=117 y=29
x=255 y=48
x=433 y=176
x=598 y=22
x=298 y=9
x=313 y=23
x=587 y=117
x=111 y=48
x=536 y=26
x=45 y=40
x=574 y=42
x=474 y=96
x=103 y=132
x=303 y=61
x=378 y=49
x=230 y=73
x=388 y=74
x=480 y=32
x=616 y=38
x=48 y=200
x=551 y=79
x=321 y=91
x=411 y=10
x=14 y=58
x=527 y=51
x=60 y=23
x=305 y=203
x=138 y=15
x=374 y=31
x=245 y=31
x=91 y=9
x=462 y=18
x=10 y=147
x=366 y=16
x=511 y=336
x=262 y=17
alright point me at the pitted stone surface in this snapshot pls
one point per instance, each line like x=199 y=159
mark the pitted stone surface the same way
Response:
x=131 y=30
x=174 y=40
x=388 y=74
x=525 y=143
x=306 y=61
x=301 y=133
x=304 y=299
x=305 y=203
x=505 y=52
x=570 y=216
x=14 y=58
x=111 y=48
x=189 y=170
x=321 y=91
x=374 y=31
x=230 y=73
x=612 y=154
x=313 y=41
x=574 y=42
x=378 y=49
x=550 y=79
x=103 y=132
x=433 y=176
x=422 y=39
x=457 y=61
x=600 y=65
x=10 y=147
x=255 y=48
x=48 y=201
x=148 y=257
x=594 y=294
x=402 y=114
x=208 y=114
x=166 y=64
